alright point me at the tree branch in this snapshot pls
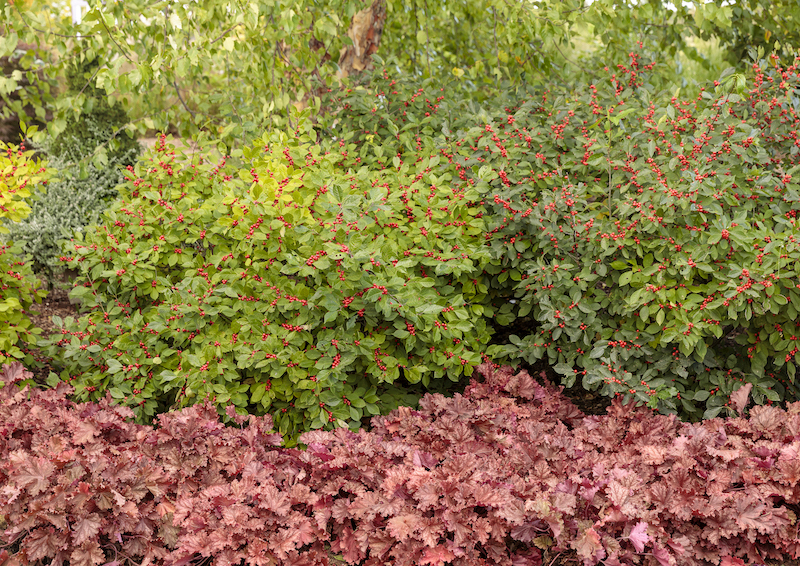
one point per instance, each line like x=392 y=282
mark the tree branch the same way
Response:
x=178 y=92
x=124 y=53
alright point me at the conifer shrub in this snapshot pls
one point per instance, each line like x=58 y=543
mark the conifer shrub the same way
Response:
x=100 y=122
x=19 y=289
x=278 y=281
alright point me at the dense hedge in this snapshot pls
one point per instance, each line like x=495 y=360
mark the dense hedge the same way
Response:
x=510 y=473
x=636 y=241
x=288 y=284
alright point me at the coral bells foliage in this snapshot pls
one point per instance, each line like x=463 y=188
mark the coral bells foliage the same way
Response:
x=510 y=473
x=284 y=284
x=648 y=243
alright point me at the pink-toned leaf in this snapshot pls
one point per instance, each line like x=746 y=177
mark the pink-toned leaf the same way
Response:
x=639 y=536
x=740 y=397
x=423 y=459
x=751 y=514
x=588 y=545
x=663 y=556
x=402 y=526
x=86 y=528
x=43 y=543
x=731 y=560
x=87 y=554
x=526 y=532
x=530 y=557
x=34 y=475
x=436 y=556
x=83 y=432
x=274 y=500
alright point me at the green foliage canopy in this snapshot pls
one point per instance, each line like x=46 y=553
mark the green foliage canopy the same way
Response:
x=231 y=69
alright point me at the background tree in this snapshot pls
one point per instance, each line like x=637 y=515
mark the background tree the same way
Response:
x=232 y=69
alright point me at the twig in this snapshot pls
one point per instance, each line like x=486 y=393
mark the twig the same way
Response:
x=496 y=51
x=427 y=38
x=224 y=33
x=103 y=20
x=178 y=92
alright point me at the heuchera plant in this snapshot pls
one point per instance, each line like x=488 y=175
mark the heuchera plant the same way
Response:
x=287 y=284
x=19 y=289
x=510 y=473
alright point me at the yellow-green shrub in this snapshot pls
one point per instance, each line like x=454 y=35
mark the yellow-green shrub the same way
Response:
x=19 y=289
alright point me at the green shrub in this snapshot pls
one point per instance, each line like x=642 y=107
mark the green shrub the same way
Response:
x=608 y=205
x=89 y=155
x=19 y=173
x=286 y=284
x=99 y=123
x=650 y=245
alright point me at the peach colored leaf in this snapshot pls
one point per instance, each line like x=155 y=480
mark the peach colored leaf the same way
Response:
x=86 y=528
x=740 y=397
x=436 y=556
x=588 y=544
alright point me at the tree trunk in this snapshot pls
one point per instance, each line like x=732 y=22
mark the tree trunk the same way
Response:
x=365 y=31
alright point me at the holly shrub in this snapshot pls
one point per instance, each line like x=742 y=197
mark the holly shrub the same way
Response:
x=286 y=284
x=642 y=242
x=649 y=244
x=19 y=289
